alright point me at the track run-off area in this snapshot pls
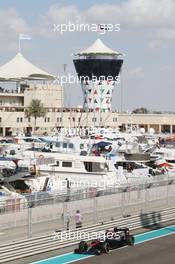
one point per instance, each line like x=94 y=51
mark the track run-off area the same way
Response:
x=140 y=238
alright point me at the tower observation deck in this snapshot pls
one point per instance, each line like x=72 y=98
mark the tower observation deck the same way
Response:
x=98 y=68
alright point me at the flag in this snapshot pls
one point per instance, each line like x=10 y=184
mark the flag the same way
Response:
x=24 y=37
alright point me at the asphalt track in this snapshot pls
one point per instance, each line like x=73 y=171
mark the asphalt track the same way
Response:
x=158 y=247
x=158 y=251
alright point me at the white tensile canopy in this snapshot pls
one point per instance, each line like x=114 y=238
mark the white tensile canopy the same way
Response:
x=98 y=47
x=19 y=68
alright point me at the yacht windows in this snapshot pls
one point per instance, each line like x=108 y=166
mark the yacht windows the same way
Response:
x=81 y=146
x=58 y=144
x=64 y=145
x=67 y=164
x=12 y=152
x=88 y=166
x=129 y=166
x=28 y=139
x=95 y=166
x=71 y=145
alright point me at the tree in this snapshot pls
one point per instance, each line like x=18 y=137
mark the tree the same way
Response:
x=140 y=110
x=35 y=109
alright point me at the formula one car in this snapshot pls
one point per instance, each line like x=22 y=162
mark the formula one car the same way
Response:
x=115 y=238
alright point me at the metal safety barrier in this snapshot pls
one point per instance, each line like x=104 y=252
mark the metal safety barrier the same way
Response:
x=29 y=247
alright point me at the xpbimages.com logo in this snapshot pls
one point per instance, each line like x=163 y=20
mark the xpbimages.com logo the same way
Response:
x=72 y=79
x=81 y=235
x=82 y=27
x=85 y=183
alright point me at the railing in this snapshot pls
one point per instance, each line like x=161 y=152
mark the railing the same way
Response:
x=38 y=216
x=49 y=242
x=36 y=199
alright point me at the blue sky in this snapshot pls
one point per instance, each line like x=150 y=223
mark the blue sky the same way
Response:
x=147 y=37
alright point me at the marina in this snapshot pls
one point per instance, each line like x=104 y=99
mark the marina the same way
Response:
x=87 y=130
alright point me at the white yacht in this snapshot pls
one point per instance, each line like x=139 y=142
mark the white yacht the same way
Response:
x=81 y=171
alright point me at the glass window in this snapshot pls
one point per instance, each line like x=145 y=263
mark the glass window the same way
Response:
x=94 y=119
x=58 y=144
x=81 y=146
x=67 y=164
x=70 y=145
x=58 y=120
x=28 y=139
x=64 y=145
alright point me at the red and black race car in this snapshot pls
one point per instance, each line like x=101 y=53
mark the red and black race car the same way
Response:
x=115 y=238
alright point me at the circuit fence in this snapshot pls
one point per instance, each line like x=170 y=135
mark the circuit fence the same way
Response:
x=32 y=200
x=43 y=212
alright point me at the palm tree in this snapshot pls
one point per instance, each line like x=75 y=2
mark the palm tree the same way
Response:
x=35 y=109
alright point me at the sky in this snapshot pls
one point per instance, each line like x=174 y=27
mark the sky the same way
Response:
x=146 y=36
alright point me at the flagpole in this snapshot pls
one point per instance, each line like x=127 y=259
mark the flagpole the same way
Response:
x=98 y=32
x=19 y=44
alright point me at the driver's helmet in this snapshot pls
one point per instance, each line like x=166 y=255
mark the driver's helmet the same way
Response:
x=115 y=229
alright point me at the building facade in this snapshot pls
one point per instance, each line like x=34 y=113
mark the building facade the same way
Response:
x=13 y=120
x=13 y=105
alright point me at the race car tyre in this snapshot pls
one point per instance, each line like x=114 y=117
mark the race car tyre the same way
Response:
x=98 y=252
x=76 y=251
x=82 y=246
x=131 y=240
x=105 y=247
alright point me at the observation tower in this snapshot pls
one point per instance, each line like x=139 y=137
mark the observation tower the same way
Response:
x=98 y=68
